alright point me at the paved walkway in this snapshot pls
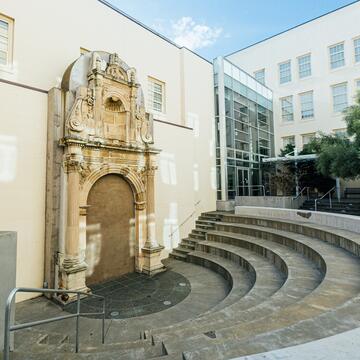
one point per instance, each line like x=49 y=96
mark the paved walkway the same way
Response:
x=344 y=346
x=207 y=289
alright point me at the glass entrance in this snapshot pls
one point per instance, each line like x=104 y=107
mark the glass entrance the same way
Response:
x=243 y=182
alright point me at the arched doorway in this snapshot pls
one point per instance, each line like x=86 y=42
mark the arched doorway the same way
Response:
x=110 y=229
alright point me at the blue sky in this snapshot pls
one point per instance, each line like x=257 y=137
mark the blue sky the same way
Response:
x=218 y=27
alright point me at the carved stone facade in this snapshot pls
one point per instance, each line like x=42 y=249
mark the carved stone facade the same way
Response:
x=99 y=121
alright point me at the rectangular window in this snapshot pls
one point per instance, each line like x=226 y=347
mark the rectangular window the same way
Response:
x=304 y=63
x=156 y=95
x=306 y=138
x=260 y=76
x=307 y=105
x=340 y=132
x=357 y=49
x=287 y=111
x=285 y=72
x=339 y=93
x=357 y=84
x=6 y=31
x=337 y=56
x=288 y=140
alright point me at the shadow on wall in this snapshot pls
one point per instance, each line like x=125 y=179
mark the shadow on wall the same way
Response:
x=8 y=158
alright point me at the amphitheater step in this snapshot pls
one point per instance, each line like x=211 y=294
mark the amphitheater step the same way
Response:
x=303 y=277
x=337 y=291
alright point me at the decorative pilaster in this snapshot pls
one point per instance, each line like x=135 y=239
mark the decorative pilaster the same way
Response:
x=151 y=250
x=72 y=264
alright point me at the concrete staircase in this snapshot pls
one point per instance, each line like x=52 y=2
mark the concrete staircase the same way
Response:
x=302 y=283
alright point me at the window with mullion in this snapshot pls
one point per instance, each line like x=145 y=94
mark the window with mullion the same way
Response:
x=304 y=63
x=357 y=49
x=285 y=72
x=156 y=95
x=287 y=110
x=339 y=93
x=4 y=42
x=337 y=56
x=307 y=105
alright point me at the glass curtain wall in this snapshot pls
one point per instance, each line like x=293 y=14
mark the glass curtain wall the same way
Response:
x=244 y=126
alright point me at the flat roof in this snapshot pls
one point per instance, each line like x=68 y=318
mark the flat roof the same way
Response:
x=292 y=28
x=116 y=9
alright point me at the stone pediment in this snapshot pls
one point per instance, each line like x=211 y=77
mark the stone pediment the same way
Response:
x=104 y=103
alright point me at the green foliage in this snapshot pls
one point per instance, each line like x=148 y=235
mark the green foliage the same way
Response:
x=339 y=156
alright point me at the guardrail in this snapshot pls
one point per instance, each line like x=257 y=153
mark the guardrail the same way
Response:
x=8 y=328
x=326 y=194
x=301 y=191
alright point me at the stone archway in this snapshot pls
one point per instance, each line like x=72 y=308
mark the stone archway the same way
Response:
x=110 y=229
x=104 y=130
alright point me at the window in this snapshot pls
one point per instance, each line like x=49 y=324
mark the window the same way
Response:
x=340 y=132
x=287 y=111
x=357 y=49
x=339 y=93
x=260 y=76
x=307 y=105
x=288 y=140
x=156 y=95
x=304 y=63
x=6 y=31
x=357 y=84
x=285 y=72
x=306 y=138
x=337 y=56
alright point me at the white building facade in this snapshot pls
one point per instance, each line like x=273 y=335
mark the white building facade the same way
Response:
x=38 y=41
x=314 y=72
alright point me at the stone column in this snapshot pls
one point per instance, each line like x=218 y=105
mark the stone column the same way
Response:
x=73 y=265
x=151 y=250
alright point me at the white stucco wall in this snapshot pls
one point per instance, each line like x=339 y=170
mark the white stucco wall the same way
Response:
x=45 y=43
x=314 y=37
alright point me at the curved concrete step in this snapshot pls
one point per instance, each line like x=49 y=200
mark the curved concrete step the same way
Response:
x=339 y=287
x=303 y=277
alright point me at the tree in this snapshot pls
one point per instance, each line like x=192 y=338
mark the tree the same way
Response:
x=339 y=156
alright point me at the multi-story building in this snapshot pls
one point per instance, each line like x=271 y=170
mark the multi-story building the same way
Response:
x=244 y=130
x=314 y=72
x=39 y=41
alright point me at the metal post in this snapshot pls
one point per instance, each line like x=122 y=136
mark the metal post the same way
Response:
x=330 y=200
x=103 y=324
x=338 y=189
x=7 y=332
x=77 y=324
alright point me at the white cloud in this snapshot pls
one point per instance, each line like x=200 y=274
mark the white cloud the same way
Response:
x=186 y=32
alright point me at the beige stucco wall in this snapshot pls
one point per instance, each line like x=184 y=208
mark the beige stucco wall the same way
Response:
x=45 y=43
x=22 y=177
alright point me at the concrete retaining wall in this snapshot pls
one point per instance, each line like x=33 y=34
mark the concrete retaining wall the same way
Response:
x=269 y=201
x=344 y=222
x=228 y=205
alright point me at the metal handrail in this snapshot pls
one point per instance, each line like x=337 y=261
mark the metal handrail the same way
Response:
x=328 y=193
x=186 y=220
x=8 y=327
x=301 y=191
x=254 y=186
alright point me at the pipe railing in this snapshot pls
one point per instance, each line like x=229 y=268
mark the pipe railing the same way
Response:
x=326 y=194
x=8 y=328
x=307 y=188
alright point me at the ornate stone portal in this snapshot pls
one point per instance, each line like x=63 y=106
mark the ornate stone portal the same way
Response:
x=97 y=126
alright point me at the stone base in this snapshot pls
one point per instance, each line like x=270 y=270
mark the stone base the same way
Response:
x=152 y=264
x=73 y=279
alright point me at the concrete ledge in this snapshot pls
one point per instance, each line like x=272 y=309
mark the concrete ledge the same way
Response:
x=339 y=221
x=228 y=205
x=269 y=201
